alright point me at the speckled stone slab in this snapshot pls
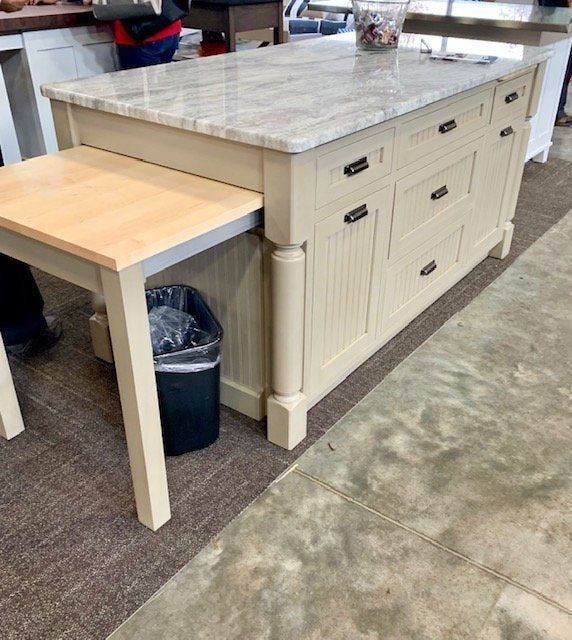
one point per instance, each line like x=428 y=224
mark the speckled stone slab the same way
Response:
x=291 y=97
x=469 y=440
x=305 y=564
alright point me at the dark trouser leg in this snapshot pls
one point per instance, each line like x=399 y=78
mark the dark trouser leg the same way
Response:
x=21 y=303
x=147 y=55
x=563 y=96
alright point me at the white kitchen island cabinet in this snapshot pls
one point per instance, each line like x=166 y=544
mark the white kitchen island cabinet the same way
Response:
x=386 y=179
x=40 y=44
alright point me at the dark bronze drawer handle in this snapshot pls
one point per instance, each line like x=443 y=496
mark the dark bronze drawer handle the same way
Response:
x=428 y=268
x=356 y=167
x=506 y=132
x=440 y=193
x=356 y=214
x=447 y=126
x=511 y=97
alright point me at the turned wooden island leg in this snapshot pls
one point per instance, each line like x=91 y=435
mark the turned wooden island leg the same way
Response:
x=11 y=422
x=124 y=293
x=287 y=404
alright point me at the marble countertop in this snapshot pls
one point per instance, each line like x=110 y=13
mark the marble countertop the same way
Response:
x=493 y=14
x=467 y=12
x=291 y=97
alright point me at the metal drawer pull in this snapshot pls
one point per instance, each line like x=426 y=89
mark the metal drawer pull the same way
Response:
x=428 y=268
x=506 y=132
x=356 y=167
x=511 y=97
x=356 y=214
x=439 y=193
x=447 y=126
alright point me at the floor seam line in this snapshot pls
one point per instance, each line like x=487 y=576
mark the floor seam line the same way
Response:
x=433 y=542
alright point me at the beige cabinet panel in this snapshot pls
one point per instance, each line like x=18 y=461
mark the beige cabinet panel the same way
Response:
x=502 y=145
x=512 y=97
x=426 y=200
x=353 y=166
x=348 y=250
x=432 y=131
x=423 y=275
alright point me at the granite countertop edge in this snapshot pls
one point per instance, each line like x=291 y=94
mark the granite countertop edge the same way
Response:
x=294 y=143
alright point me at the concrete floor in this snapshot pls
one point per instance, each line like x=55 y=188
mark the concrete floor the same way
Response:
x=438 y=508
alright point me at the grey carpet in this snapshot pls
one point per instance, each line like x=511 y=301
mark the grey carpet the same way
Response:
x=74 y=561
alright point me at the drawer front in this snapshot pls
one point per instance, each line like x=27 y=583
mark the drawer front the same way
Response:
x=347 y=265
x=512 y=97
x=426 y=201
x=356 y=165
x=501 y=145
x=418 y=279
x=430 y=132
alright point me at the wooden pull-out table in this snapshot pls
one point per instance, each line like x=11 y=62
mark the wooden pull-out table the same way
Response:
x=104 y=222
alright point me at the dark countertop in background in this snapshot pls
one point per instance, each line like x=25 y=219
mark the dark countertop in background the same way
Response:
x=55 y=16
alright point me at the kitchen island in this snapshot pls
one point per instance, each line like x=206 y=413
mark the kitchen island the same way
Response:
x=385 y=179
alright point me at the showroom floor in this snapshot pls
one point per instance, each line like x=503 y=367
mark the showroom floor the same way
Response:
x=75 y=561
x=437 y=508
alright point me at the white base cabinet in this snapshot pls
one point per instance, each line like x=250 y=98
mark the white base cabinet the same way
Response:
x=41 y=57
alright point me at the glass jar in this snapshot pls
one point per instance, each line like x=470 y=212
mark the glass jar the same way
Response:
x=378 y=24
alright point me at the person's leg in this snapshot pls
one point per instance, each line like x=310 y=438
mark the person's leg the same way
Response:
x=169 y=46
x=21 y=312
x=146 y=55
x=561 y=114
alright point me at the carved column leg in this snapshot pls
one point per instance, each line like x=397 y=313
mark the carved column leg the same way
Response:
x=287 y=405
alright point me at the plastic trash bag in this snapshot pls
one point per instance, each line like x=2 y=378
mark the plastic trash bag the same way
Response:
x=185 y=335
x=173 y=330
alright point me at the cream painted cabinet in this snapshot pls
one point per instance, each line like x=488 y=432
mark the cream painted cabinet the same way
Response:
x=349 y=247
x=501 y=168
x=420 y=277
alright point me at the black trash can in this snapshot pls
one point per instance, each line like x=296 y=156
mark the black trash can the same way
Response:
x=186 y=339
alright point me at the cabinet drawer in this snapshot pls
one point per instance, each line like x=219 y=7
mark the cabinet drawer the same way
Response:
x=512 y=97
x=344 y=170
x=419 y=278
x=348 y=252
x=426 y=201
x=432 y=131
x=502 y=168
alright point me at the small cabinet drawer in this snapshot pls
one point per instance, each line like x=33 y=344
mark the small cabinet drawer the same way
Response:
x=428 y=199
x=432 y=131
x=512 y=97
x=348 y=248
x=348 y=168
x=419 y=278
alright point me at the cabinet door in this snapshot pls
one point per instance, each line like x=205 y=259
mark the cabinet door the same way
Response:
x=502 y=149
x=65 y=54
x=348 y=253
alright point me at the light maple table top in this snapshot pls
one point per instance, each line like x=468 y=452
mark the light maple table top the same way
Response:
x=113 y=210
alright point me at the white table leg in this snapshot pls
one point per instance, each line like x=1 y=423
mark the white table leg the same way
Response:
x=127 y=312
x=287 y=405
x=8 y=140
x=11 y=422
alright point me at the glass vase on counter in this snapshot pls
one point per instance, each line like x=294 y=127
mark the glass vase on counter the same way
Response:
x=378 y=24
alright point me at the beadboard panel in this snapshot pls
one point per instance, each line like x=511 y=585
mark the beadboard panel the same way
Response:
x=230 y=277
x=494 y=193
x=409 y=289
x=424 y=134
x=347 y=265
x=418 y=213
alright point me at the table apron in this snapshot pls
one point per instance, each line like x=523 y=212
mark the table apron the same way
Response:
x=51 y=260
